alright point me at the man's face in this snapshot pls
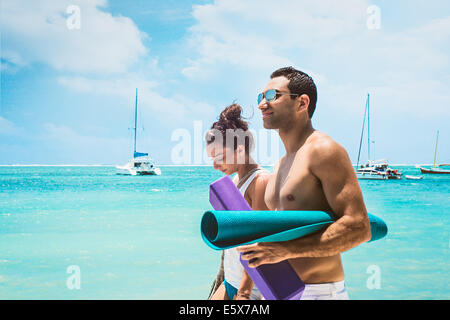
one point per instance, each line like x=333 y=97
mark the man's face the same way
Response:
x=278 y=113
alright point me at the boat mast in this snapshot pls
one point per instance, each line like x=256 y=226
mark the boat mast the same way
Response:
x=362 y=131
x=435 y=150
x=368 y=128
x=135 y=123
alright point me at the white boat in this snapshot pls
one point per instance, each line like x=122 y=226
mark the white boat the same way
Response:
x=369 y=173
x=413 y=177
x=141 y=164
x=377 y=170
x=373 y=170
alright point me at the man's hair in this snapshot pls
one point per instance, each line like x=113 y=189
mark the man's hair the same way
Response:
x=299 y=83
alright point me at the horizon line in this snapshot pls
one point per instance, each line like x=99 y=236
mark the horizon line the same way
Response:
x=165 y=165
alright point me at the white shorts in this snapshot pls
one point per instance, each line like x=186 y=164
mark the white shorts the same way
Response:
x=325 y=291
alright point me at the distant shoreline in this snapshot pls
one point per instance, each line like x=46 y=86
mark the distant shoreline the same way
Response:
x=167 y=165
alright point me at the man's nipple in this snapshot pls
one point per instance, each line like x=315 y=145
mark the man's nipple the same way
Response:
x=290 y=197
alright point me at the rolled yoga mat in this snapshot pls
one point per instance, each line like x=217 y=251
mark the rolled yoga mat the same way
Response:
x=227 y=229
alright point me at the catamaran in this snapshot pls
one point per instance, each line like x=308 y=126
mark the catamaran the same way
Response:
x=141 y=164
x=435 y=169
x=373 y=170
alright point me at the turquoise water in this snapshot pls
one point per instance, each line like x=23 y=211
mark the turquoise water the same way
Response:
x=138 y=237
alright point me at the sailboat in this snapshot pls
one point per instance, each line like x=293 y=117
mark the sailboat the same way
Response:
x=141 y=164
x=373 y=170
x=435 y=169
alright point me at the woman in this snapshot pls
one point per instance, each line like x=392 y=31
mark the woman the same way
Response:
x=231 y=156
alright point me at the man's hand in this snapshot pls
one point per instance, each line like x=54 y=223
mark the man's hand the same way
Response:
x=264 y=253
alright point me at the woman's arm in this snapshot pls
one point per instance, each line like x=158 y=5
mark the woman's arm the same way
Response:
x=256 y=194
x=258 y=191
x=220 y=294
x=245 y=288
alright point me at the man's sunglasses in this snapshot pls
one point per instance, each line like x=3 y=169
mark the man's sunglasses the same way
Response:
x=272 y=95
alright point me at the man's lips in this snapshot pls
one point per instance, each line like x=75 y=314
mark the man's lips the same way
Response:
x=266 y=114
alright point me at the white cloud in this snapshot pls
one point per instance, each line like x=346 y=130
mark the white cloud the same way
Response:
x=8 y=128
x=37 y=31
x=334 y=42
x=75 y=145
x=121 y=86
x=173 y=111
x=260 y=34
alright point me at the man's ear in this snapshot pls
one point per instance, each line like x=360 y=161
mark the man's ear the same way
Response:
x=303 y=102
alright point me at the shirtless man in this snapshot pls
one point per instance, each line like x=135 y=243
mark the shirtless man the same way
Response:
x=314 y=174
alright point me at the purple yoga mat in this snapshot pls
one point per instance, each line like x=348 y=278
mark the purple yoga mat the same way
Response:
x=276 y=281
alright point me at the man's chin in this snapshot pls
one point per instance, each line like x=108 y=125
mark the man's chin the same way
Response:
x=268 y=125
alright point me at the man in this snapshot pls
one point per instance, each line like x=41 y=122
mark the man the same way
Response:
x=314 y=174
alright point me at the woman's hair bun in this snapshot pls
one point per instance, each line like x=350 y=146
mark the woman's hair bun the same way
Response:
x=230 y=118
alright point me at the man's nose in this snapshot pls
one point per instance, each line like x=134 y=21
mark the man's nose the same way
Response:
x=263 y=104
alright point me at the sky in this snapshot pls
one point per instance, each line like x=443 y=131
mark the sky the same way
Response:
x=70 y=69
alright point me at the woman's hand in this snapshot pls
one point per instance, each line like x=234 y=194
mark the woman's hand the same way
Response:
x=244 y=295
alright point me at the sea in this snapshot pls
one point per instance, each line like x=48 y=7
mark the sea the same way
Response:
x=84 y=232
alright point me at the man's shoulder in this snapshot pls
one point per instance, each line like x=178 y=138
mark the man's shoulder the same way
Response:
x=322 y=150
x=321 y=144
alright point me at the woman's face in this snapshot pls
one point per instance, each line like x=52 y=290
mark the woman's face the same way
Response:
x=219 y=155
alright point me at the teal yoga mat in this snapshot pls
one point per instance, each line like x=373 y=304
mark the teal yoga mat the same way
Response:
x=227 y=229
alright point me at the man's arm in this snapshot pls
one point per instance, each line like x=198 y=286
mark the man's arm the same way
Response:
x=331 y=165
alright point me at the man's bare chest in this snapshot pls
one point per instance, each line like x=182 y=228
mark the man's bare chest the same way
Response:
x=292 y=188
